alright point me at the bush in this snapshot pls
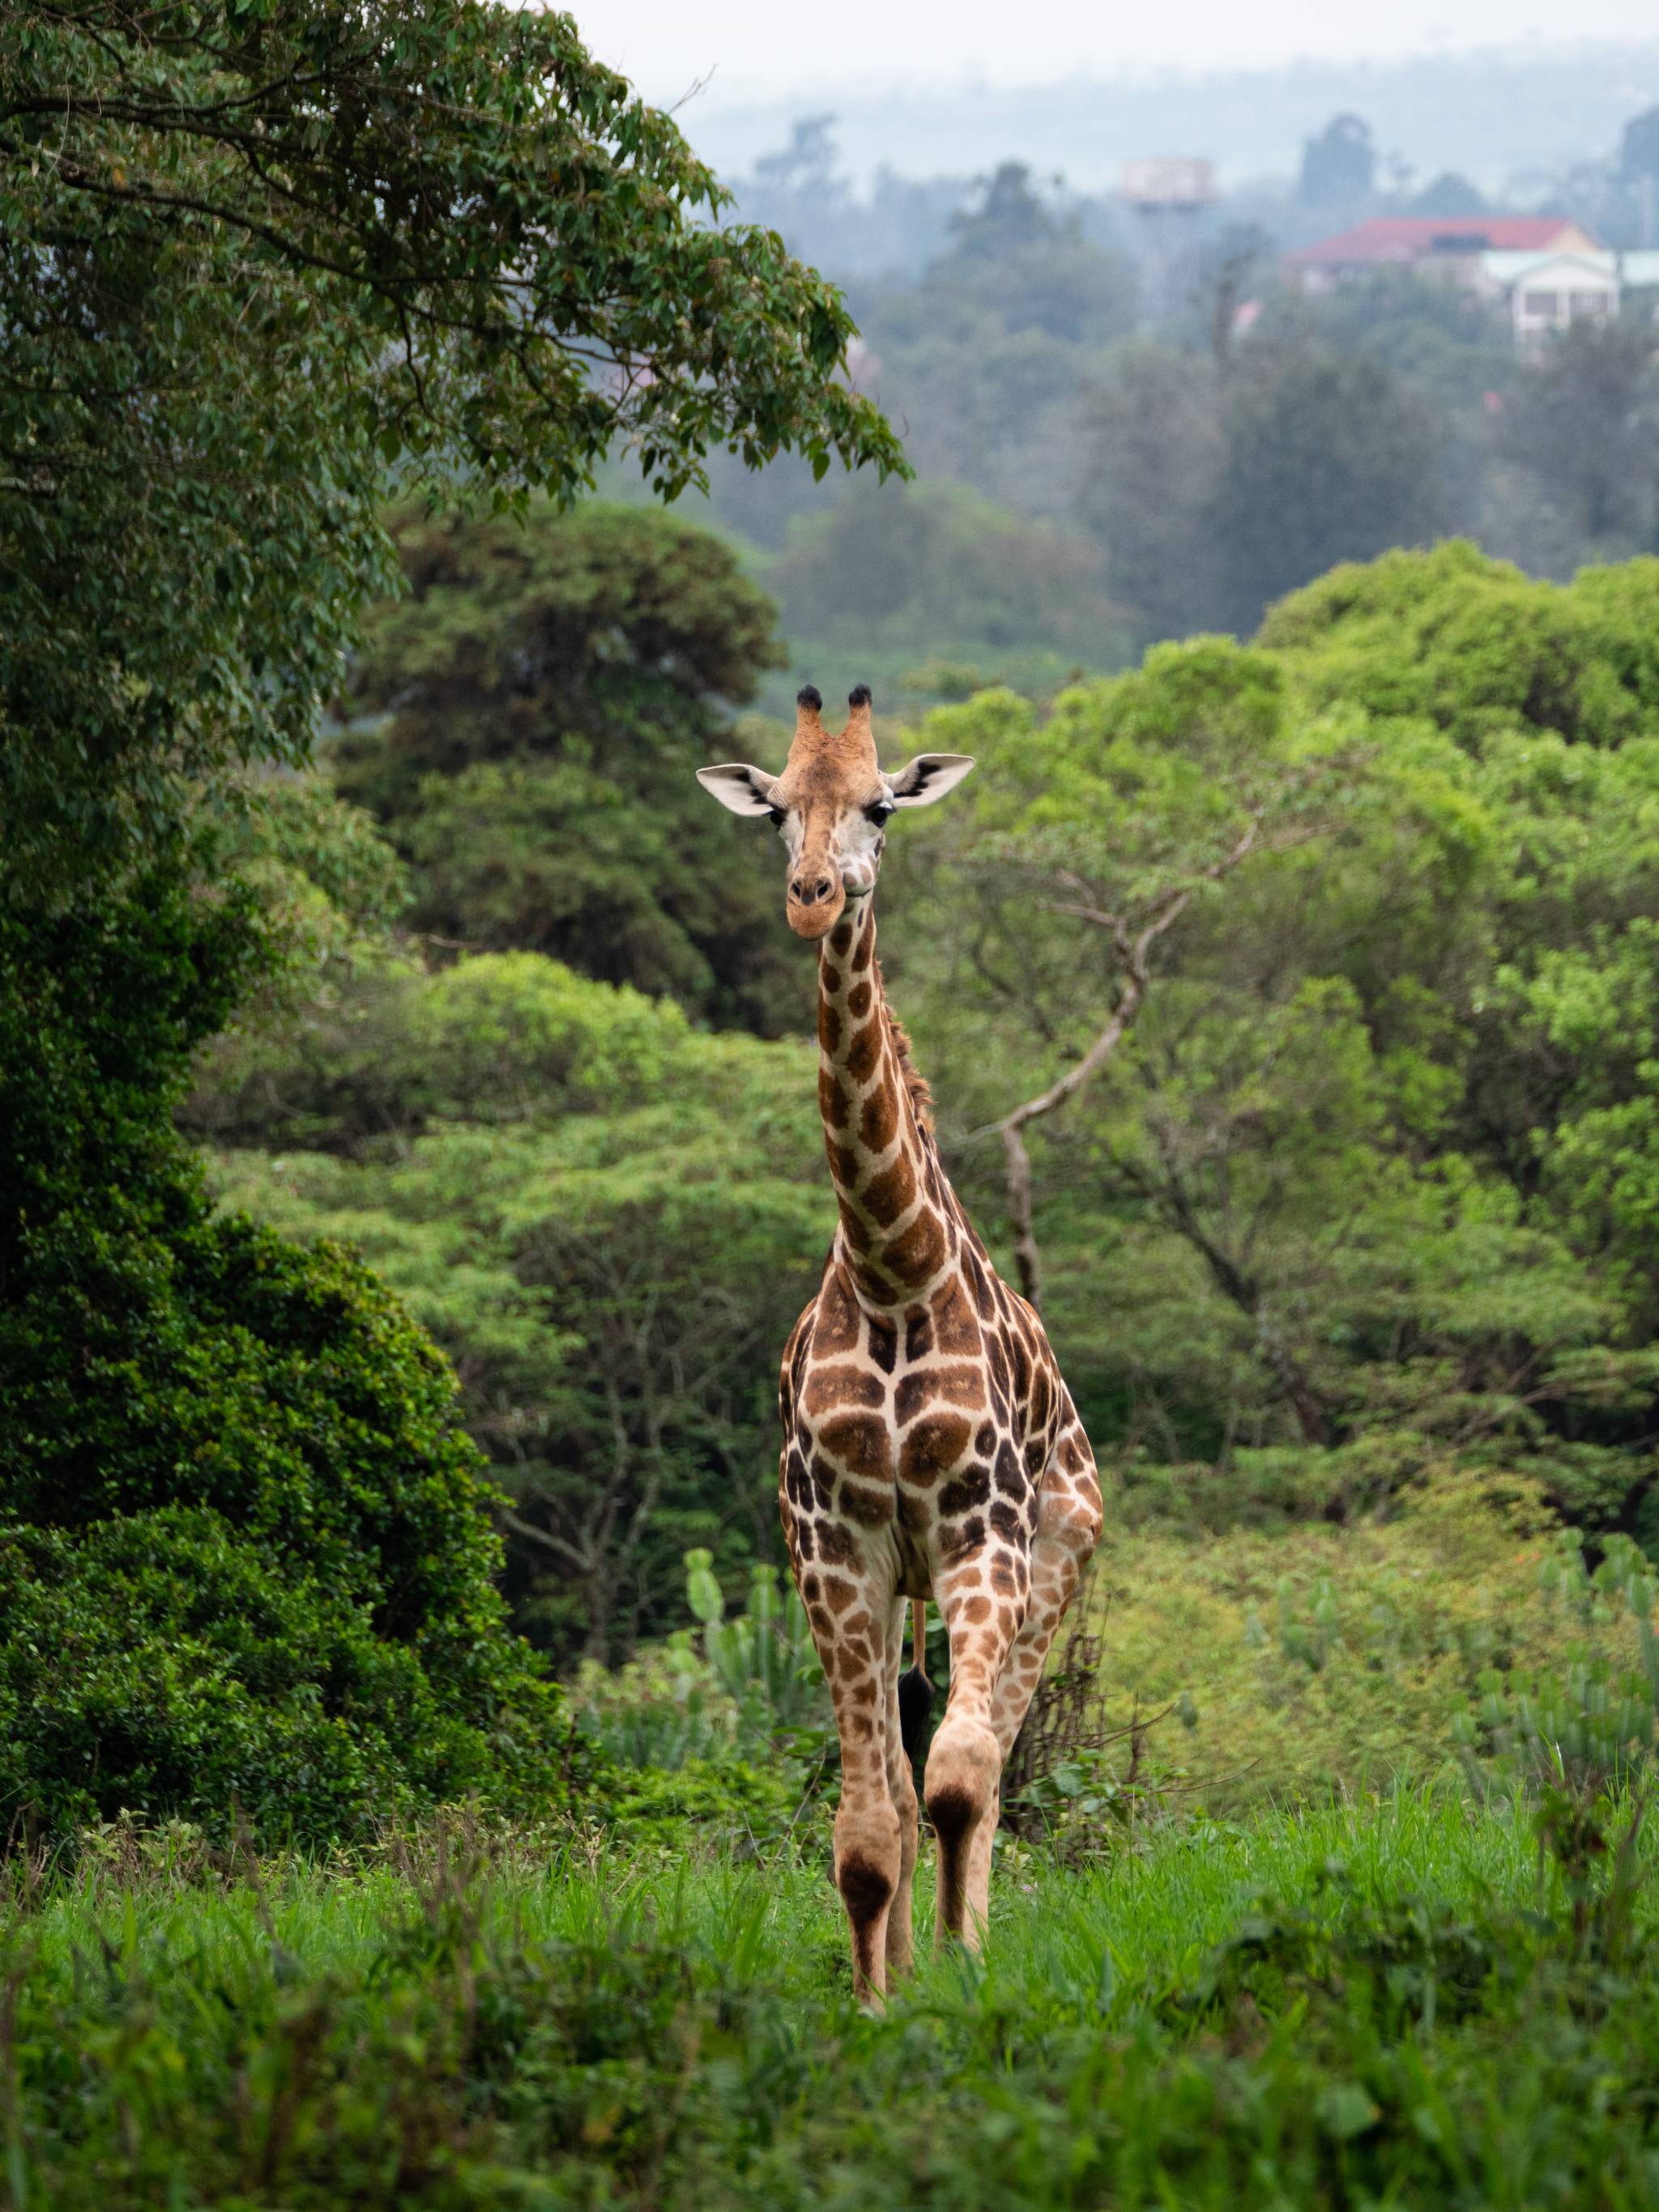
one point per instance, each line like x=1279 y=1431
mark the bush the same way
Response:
x=157 y=1662
x=726 y=1727
x=248 y=1550
x=1320 y=1659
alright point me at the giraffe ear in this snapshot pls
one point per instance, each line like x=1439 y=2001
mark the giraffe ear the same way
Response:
x=744 y=789
x=928 y=777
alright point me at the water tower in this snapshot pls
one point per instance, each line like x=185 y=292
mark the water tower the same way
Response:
x=1166 y=194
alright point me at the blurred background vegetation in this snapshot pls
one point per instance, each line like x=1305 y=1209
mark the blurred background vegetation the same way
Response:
x=362 y=907
x=1364 y=1201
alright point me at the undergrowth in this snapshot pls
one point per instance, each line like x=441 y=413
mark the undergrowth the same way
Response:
x=1402 y=2002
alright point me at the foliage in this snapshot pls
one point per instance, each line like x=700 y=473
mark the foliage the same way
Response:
x=934 y=567
x=1328 y=460
x=1379 y=2006
x=1214 y=493
x=726 y=1726
x=599 y=1213
x=1048 y=276
x=1478 y=648
x=1365 y=1191
x=536 y=706
x=986 y=356
x=255 y=258
x=1454 y=348
x=1364 y=1185
x=259 y=265
x=1339 y=165
x=752 y=1684
x=764 y=1660
x=247 y=1553
x=1147 y=467
x=1450 y=194
x=1586 y=424
x=1639 y=145
x=162 y=1663
x=1320 y=1660
x=1587 y=1727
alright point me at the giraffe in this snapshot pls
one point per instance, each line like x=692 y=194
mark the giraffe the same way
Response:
x=930 y=1449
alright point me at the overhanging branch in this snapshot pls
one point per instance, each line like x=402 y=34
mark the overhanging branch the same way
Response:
x=1134 y=949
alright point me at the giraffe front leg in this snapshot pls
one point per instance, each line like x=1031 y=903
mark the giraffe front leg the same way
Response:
x=849 y=1607
x=902 y=1789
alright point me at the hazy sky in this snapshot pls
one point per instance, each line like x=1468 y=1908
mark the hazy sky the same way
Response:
x=754 y=48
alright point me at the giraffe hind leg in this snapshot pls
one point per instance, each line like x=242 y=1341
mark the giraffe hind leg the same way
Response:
x=916 y=1693
x=964 y=1763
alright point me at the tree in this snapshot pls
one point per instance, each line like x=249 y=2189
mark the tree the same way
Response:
x=258 y=258
x=807 y=163
x=926 y=567
x=1449 y=194
x=260 y=264
x=1146 y=482
x=1474 y=647
x=1326 y=459
x=243 y=1549
x=1452 y=346
x=605 y=1219
x=984 y=360
x=1338 y=166
x=1225 y=269
x=1585 y=422
x=1344 y=1171
x=1123 y=838
x=537 y=702
x=1639 y=147
x=1034 y=267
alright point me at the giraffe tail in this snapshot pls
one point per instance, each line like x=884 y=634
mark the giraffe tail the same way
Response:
x=915 y=1692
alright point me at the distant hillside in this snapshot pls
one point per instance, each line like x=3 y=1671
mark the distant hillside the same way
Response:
x=1498 y=116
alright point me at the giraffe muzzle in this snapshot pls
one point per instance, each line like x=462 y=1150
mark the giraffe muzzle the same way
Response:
x=815 y=901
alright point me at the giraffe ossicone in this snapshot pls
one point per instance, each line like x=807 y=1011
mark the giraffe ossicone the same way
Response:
x=930 y=1449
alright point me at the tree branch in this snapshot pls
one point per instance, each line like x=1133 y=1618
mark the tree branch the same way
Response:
x=1135 y=951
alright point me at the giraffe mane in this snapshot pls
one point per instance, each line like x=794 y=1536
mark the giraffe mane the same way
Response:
x=915 y=1082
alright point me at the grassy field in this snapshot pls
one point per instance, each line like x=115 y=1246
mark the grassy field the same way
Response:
x=1382 y=2004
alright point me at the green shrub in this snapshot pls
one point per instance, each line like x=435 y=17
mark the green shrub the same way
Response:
x=726 y=1727
x=729 y=1802
x=158 y=1661
x=248 y=1550
x=1321 y=1658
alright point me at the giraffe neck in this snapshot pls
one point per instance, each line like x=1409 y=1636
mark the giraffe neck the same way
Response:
x=899 y=1227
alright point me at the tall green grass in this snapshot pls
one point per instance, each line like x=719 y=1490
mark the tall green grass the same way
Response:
x=1379 y=2003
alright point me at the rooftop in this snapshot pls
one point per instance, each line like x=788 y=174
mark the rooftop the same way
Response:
x=1403 y=238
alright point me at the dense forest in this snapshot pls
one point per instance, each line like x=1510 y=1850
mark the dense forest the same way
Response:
x=1364 y=1194
x=247 y=1567
x=1125 y=431
x=416 y=1775
x=379 y=876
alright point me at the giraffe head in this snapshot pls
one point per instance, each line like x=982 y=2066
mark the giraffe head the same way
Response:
x=830 y=806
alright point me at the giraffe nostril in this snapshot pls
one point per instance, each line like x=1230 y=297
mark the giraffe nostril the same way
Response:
x=808 y=890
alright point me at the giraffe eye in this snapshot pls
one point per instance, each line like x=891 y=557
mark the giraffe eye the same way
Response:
x=879 y=812
x=777 y=817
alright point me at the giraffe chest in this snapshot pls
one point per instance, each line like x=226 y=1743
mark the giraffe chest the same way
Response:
x=933 y=1431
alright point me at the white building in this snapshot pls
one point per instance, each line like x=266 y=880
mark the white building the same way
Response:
x=1545 y=293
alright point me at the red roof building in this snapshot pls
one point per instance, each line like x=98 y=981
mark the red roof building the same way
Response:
x=1430 y=241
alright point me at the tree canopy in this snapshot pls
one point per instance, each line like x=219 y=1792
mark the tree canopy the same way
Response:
x=263 y=264
x=259 y=255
